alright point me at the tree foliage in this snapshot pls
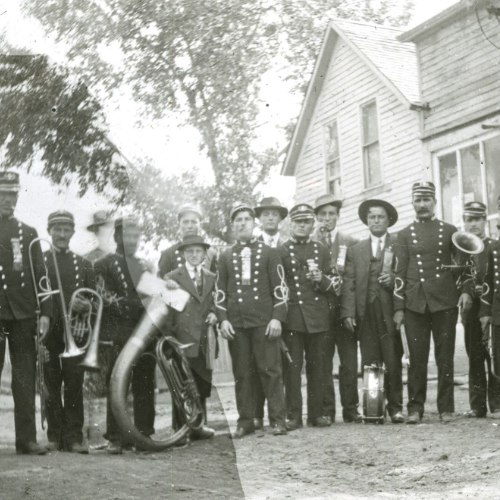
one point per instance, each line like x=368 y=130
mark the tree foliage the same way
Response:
x=203 y=61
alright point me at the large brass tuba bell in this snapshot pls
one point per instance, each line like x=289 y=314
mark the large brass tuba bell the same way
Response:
x=467 y=242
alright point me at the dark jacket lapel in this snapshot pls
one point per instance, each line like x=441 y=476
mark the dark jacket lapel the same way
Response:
x=186 y=282
x=208 y=284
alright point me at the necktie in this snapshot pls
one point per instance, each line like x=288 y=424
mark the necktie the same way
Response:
x=197 y=280
x=329 y=239
x=378 y=253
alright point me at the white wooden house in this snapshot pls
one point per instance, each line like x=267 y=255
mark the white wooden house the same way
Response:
x=358 y=133
x=459 y=59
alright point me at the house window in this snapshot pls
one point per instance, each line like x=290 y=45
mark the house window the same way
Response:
x=333 y=159
x=470 y=173
x=371 y=145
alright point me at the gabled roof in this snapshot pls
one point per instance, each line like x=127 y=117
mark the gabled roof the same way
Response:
x=392 y=61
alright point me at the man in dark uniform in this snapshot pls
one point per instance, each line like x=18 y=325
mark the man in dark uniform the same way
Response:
x=327 y=210
x=251 y=304
x=270 y=214
x=65 y=422
x=367 y=303
x=189 y=217
x=482 y=390
x=117 y=276
x=18 y=311
x=307 y=272
x=426 y=298
x=489 y=314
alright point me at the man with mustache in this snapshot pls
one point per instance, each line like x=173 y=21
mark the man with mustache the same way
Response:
x=426 y=299
x=65 y=421
x=18 y=306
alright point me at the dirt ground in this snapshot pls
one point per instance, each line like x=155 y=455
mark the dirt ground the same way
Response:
x=346 y=461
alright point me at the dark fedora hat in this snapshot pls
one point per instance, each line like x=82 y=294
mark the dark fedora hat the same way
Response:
x=392 y=213
x=99 y=218
x=192 y=239
x=270 y=203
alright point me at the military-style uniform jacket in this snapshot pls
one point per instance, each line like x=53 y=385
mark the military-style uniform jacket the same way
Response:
x=481 y=262
x=490 y=298
x=76 y=272
x=255 y=304
x=308 y=302
x=117 y=277
x=17 y=292
x=172 y=259
x=354 y=295
x=421 y=249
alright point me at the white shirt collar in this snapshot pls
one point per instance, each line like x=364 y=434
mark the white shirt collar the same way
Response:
x=191 y=269
x=334 y=232
x=271 y=240
x=375 y=240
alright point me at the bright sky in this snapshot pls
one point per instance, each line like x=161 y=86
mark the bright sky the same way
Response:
x=171 y=148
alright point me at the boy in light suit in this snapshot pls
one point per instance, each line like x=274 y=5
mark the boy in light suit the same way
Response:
x=191 y=326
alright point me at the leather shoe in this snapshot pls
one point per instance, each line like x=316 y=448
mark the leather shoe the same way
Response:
x=32 y=448
x=279 y=430
x=397 y=418
x=447 y=417
x=114 y=448
x=494 y=414
x=258 y=423
x=474 y=414
x=78 y=448
x=413 y=418
x=53 y=446
x=322 y=422
x=203 y=433
x=239 y=433
x=293 y=425
x=352 y=417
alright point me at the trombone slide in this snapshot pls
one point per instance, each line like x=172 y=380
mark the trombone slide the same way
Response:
x=406 y=349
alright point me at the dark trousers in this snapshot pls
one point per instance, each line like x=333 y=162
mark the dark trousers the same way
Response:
x=259 y=395
x=482 y=389
x=347 y=346
x=378 y=346
x=248 y=345
x=21 y=338
x=64 y=421
x=313 y=346
x=418 y=332
x=143 y=392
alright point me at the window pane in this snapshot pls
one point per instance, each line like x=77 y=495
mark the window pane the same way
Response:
x=449 y=187
x=370 y=126
x=333 y=168
x=372 y=165
x=332 y=146
x=334 y=187
x=492 y=160
x=471 y=174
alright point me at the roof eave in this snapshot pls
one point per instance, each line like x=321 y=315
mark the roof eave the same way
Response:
x=434 y=23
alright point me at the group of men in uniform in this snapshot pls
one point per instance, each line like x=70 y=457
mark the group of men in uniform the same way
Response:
x=278 y=302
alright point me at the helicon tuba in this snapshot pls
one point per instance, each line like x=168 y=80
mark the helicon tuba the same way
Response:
x=175 y=369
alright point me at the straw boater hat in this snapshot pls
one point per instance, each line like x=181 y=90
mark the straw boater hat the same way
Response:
x=99 y=219
x=9 y=182
x=60 y=217
x=193 y=240
x=240 y=207
x=392 y=213
x=270 y=204
x=327 y=199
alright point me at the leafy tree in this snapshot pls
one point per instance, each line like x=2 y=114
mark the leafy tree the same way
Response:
x=203 y=61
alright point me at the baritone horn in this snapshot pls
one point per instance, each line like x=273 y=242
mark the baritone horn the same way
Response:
x=471 y=245
x=82 y=326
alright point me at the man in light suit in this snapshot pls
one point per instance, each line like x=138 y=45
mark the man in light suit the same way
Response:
x=191 y=326
x=367 y=303
x=270 y=214
x=327 y=210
